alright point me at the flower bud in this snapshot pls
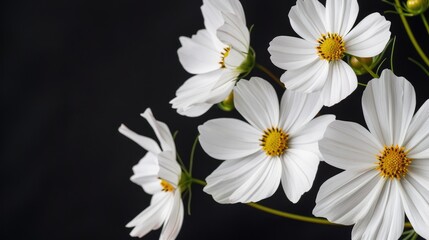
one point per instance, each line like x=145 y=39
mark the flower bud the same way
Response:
x=356 y=64
x=417 y=6
x=227 y=104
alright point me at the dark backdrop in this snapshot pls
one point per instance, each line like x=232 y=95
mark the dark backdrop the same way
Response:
x=73 y=71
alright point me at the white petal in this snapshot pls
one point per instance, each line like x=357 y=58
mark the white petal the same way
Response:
x=348 y=145
x=297 y=109
x=386 y=218
x=146 y=173
x=162 y=132
x=145 y=142
x=200 y=92
x=369 y=37
x=416 y=205
x=194 y=92
x=223 y=87
x=213 y=13
x=311 y=132
x=307 y=137
x=194 y=110
x=153 y=216
x=213 y=18
x=245 y=180
x=299 y=170
x=417 y=137
x=307 y=18
x=388 y=105
x=234 y=33
x=174 y=222
x=229 y=138
x=169 y=169
x=341 y=15
x=256 y=100
x=341 y=82
x=310 y=78
x=200 y=54
x=348 y=196
x=291 y=52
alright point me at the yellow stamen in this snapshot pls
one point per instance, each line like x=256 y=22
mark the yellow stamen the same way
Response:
x=224 y=54
x=166 y=186
x=393 y=162
x=274 y=141
x=331 y=47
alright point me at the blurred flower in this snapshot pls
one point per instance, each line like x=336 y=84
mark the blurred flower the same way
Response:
x=159 y=174
x=314 y=63
x=219 y=55
x=278 y=144
x=386 y=169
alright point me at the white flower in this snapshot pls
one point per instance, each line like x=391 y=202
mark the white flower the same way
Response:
x=218 y=55
x=314 y=63
x=159 y=174
x=386 y=169
x=278 y=144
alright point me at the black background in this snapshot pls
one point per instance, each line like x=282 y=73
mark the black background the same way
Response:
x=73 y=71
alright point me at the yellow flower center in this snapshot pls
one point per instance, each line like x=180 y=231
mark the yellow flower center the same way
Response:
x=224 y=54
x=274 y=141
x=331 y=47
x=166 y=186
x=393 y=162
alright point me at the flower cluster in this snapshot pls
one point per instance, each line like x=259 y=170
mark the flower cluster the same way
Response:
x=386 y=168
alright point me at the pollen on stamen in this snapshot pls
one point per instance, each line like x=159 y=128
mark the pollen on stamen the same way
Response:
x=274 y=141
x=224 y=54
x=393 y=162
x=166 y=186
x=331 y=47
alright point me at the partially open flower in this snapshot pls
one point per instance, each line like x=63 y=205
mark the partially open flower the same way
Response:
x=219 y=55
x=159 y=174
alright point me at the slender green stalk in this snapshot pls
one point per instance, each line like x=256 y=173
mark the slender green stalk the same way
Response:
x=425 y=22
x=410 y=33
x=391 y=53
x=420 y=66
x=285 y=214
x=198 y=181
x=362 y=84
x=290 y=215
x=415 y=236
x=270 y=74
x=191 y=158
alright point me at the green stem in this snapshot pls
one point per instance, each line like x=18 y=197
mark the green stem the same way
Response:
x=425 y=22
x=290 y=215
x=270 y=74
x=198 y=181
x=285 y=214
x=410 y=33
x=362 y=84
x=191 y=159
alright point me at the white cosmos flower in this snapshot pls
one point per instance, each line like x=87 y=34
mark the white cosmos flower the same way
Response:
x=386 y=168
x=314 y=63
x=218 y=55
x=278 y=144
x=159 y=174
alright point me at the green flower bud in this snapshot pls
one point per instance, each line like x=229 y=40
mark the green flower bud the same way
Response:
x=417 y=6
x=356 y=64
